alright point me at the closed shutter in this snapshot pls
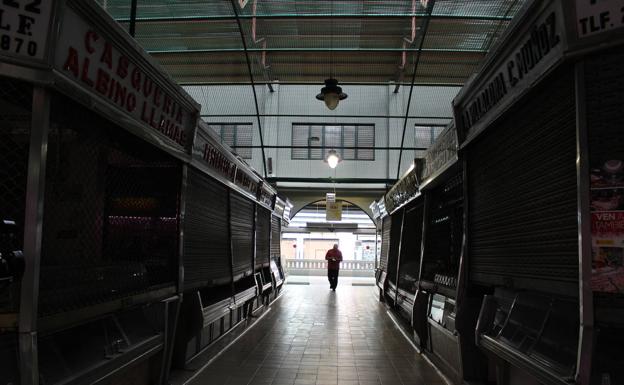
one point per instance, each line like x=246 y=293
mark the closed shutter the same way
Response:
x=395 y=239
x=385 y=243
x=276 y=235
x=522 y=194
x=206 y=243
x=411 y=246
x=263 y=236
x=444 y=234
x=241 y=222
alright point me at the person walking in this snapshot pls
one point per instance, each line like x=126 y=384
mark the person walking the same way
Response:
x=333 y=258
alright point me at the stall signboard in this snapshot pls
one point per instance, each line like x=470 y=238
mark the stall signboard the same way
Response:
x=266 y=194
x=441 y=152
x=280 y=207
x=213 y=157
x=90 y=59
x=528 y=50
x=403 y=191
x=24 y=27
x=598 y=16
x=247 y=182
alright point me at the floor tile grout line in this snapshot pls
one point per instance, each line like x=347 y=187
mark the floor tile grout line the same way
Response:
x=229 y=345
x=413 y=345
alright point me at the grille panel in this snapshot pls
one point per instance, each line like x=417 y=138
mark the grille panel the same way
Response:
x=522 y=194
x=206 y=242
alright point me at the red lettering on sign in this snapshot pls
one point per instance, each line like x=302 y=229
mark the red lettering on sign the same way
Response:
x=120 y=95
x=90 y=38
x=167 y=106
x=157 y=96
x=71 y=63
x=136 y=79
x=101 y=82
x=178 y=117
x=122 y=67
x=148 y=86
x=131 y=102
x=107 y=55
x=111 y=89
x=85 y=72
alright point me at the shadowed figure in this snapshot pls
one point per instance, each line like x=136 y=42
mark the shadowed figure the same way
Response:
x=333 y=257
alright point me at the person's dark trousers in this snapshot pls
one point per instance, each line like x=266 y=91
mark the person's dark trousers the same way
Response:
x=332 y=275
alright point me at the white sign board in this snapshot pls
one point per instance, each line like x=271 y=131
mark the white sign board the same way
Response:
x=333 y=211
x=597 y=16
x=90 y=59
x=24 y=27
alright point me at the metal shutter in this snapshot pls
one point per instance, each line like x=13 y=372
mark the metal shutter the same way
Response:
x=241 y=222
x=522 y=194
x=263 y=236
x=443 y=237
x=206 y=243
x=395 y=238
x=385 y=243
x=276 y=236
x=411 y=246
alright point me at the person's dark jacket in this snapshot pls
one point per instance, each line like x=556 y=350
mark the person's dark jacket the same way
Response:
x=334 y=257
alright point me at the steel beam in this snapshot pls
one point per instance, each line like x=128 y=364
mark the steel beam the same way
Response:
x=332 y=180
x=133 y=18
x=425 y=26
x=253 y=85
x=316 y=49
x=333 y=116
x=385 y=148
x=187 y=19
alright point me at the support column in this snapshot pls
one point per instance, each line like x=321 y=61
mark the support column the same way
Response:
x=33 y=221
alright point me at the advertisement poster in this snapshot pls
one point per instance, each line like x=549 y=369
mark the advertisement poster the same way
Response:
x=607 y=226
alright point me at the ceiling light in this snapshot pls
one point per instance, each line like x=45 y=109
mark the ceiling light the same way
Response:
x=332 y=158
x=331 y=94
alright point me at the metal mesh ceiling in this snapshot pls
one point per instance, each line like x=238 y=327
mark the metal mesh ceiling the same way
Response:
x=302 y=42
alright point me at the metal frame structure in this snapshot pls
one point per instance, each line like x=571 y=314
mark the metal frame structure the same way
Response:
x=249 y=19
x=253 y=86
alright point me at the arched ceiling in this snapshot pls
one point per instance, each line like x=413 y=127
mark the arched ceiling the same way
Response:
x=301 y=42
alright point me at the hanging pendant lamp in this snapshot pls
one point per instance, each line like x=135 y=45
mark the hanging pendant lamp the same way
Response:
x=331 y=94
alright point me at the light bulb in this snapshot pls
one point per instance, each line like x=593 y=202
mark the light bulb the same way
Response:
x=331 y=100
x=332 y=160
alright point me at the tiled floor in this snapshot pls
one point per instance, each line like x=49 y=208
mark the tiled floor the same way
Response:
x=315 y=336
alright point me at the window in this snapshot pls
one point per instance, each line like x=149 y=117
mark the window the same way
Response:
x=318 y=139
x=424 y=136
x=235 y=135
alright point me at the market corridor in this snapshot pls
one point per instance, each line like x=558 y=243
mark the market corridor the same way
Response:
x=315 y=336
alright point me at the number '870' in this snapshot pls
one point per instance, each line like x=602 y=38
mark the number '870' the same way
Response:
x=17 y=45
